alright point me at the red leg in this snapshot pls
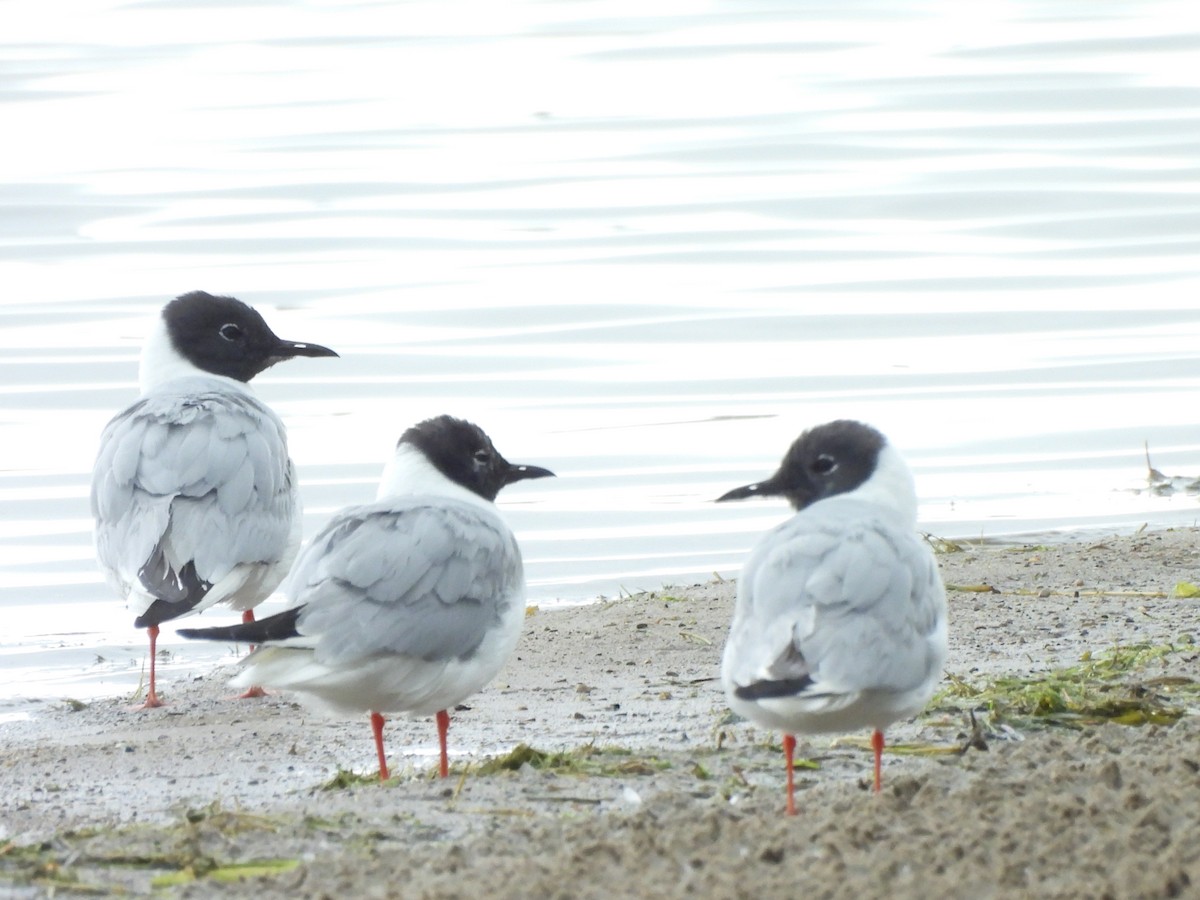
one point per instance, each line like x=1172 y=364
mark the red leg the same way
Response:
x=377 y=728
x=877 y=745
x=789 y=752
x=443 y=723
x=256 y=691
x=152 y=701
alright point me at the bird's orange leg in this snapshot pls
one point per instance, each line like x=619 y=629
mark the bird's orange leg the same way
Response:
x=377 y=729
x=877 y=746
x=152 y=701
x=256 y=691
x=789 y=752
x=443 y=724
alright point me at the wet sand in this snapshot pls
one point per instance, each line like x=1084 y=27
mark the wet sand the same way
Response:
x=670 y=797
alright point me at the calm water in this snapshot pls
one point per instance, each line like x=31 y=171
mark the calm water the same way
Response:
x=641 y=244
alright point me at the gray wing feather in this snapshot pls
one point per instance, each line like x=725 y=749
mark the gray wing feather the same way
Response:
x=849 y=599
x=234 y=495
x=423 y=578
x=203 y=475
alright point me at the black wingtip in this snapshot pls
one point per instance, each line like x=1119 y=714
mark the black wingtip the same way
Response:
x=278 y=627
x=208 y=634
x=767 y=690
x=176 y=593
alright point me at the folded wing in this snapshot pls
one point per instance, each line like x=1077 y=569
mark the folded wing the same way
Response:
x=193 y=497
x=427 y=580
x=846 y=606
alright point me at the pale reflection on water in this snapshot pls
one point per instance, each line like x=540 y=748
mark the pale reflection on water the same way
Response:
x=643 y=246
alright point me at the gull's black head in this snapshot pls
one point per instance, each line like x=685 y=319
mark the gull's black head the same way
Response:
x=464 y=453
x=829 y=459
x=226 y=337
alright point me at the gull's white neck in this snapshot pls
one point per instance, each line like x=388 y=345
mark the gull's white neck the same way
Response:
x=890 y=486
x=161 y=362
x=409 y=472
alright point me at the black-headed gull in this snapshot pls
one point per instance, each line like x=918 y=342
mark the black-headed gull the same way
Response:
x=193 y=494
x=408 y=604
x=840 y=621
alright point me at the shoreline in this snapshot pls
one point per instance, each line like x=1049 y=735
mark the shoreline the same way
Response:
x=121 y=663
x=636 y=680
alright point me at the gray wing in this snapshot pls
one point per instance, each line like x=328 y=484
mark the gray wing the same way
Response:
x=847 y=601
x=426 y=578
x=201 y=477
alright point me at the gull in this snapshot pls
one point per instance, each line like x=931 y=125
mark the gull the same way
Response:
x=409 y=604
x=193 y=494
x=840 y=619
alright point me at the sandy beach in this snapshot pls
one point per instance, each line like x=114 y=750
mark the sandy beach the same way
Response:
x=640 y=783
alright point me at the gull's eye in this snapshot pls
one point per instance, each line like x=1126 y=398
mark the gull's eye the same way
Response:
x=483 y=456
x=231 y=332
x=823 y=464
